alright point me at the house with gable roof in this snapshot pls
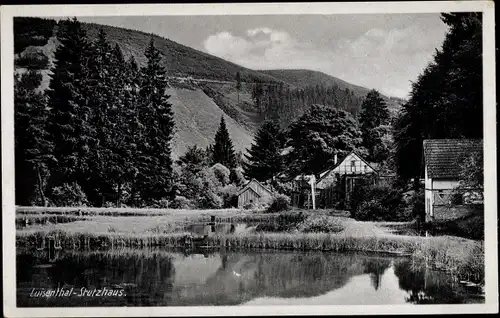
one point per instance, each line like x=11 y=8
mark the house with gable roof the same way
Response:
x=253 y=192
x=442 y=160
x=337 y=183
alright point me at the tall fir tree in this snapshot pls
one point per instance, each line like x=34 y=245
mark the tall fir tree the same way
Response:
x=264 y=160
x=122 y=165
x=101 y=90
x=68 y=120
x=223 y=149
x=156 y=130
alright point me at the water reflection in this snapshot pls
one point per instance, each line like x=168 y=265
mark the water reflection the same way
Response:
x=166 y=278
x=426 y=286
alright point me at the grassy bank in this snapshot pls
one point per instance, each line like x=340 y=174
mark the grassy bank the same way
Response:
x=463 y=257
x=91 y=211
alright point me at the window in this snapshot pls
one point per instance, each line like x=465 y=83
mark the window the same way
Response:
x=353 y=166
x=366 y=169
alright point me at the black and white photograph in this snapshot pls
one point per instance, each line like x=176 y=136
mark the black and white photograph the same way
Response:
x=244 y=159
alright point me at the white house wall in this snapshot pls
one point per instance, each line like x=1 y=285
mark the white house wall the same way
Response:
x=437 y=192
x=428 y=195
x=345 y=167
x=440 y=184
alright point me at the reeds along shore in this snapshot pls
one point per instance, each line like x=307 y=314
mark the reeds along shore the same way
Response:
x=465 y=258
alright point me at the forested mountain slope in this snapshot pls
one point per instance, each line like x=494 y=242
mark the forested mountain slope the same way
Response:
x=199 y=104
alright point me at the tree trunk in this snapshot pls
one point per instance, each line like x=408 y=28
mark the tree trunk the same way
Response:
x=119 y=195
x=40 y=186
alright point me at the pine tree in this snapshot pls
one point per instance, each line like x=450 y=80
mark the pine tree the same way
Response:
x=156 y=130
x=194 y=160
x=264 y=156
x=120 y=166
x=101 y=90
x=132 y=126
x=70 y=111
x=223 y=149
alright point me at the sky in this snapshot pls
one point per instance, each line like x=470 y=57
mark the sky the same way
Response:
x=386 y=52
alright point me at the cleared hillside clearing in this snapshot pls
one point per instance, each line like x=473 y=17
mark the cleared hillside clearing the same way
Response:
x=197 y=118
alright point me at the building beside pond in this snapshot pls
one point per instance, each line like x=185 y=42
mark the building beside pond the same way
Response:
x=335 y=186
x=442 y=159
x=253 y=192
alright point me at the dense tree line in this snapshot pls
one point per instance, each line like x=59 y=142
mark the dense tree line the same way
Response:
x=446 y=100
x=102 y=129
x=282 y=103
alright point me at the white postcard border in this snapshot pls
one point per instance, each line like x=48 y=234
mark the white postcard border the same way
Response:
x=489 y=107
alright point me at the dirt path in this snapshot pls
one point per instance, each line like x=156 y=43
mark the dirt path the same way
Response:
x=363 y=229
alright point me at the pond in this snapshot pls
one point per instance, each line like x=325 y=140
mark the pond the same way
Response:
x=146 y=277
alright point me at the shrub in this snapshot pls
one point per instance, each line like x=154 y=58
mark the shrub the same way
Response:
x=221 y=173
x=109 y=204
x=279 y=203
x=181 y=202
x=161 y=204
x=236 y=176
x=229 y=197
x=250 y=206
x=209 y=200
x=321 y=223
x=282 y=187
x=371 y=210
x=471 y=227
x=379 y=202
x=285 y=222
x=259 y=205
x=69 y=195
x=417 y=205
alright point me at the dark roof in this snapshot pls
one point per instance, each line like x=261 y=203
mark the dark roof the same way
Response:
x=444 y=156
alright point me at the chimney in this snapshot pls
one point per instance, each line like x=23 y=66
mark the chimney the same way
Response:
x=335 y=159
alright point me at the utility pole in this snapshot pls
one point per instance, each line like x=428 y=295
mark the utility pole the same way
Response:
x=312 y=182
